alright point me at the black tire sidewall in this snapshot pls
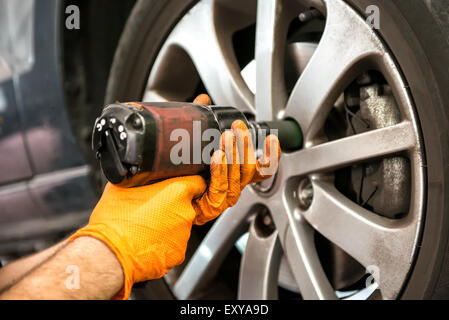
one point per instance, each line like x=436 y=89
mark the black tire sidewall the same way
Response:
x=146 y=30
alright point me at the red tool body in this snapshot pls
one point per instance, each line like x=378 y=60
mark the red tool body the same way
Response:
x=139 y=143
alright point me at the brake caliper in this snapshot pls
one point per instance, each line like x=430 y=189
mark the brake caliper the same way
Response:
x=381 y=186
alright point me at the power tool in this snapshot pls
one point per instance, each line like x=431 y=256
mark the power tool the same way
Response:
x=138 y=143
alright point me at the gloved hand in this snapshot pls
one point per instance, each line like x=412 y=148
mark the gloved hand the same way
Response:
x=148 y=227
x=233 y=167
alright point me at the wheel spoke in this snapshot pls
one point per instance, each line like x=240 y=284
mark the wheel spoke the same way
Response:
x=154 y=96
x=271 y=34
x=359 y=148
x=344 y=44
x=213 y=249
x=297 y=240
x=259 y=268
x=372 y=240
x=212 y=55
x=299 y=248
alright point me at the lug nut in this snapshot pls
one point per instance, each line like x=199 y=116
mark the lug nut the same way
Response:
x=264 y=223
x=267 y=220
x=305 y=194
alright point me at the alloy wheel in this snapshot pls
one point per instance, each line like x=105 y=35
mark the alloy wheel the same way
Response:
x=306 y=199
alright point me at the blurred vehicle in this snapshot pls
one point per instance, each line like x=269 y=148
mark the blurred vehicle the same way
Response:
x=48 y=74
x=361 y=212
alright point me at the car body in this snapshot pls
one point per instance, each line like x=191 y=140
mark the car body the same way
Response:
x=45 y=184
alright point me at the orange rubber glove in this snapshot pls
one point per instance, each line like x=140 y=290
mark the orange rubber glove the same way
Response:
x=148 y=227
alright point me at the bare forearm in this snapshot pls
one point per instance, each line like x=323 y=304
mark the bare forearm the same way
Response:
x=14 y=271
x=84 y=269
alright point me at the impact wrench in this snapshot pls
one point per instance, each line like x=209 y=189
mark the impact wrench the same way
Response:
x=134 y=141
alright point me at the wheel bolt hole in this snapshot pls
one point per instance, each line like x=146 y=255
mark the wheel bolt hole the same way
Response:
x=264 y=223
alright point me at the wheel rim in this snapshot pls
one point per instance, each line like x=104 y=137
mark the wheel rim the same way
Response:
x=388 y=245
